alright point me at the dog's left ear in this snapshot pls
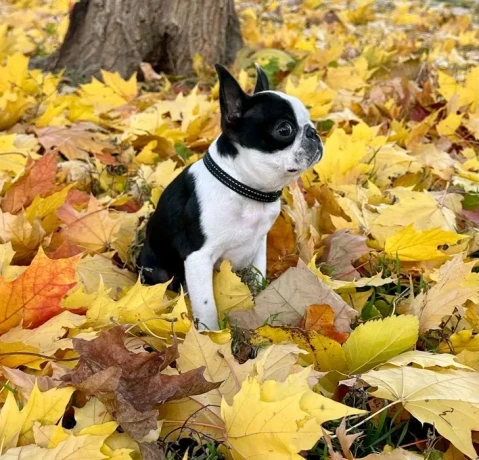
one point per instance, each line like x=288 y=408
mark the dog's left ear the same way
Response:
x=262 y=83
x=232 y=97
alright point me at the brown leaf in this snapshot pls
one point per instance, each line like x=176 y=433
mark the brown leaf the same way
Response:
x=151 y=451
x=131 y=384
x=38 y=179
x=281 y=243
x=343 y=248
x=286 y=299
x=76 y=142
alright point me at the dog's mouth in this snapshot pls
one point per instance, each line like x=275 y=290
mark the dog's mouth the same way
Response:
x=293 y=170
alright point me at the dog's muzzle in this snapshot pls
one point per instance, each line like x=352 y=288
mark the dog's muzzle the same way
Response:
x=311 y=145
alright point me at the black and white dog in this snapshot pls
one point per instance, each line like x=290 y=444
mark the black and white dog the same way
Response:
x=222 y=206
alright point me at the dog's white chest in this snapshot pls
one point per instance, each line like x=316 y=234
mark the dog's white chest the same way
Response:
x=234 y=226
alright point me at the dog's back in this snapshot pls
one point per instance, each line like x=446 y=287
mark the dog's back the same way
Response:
x=172 y=233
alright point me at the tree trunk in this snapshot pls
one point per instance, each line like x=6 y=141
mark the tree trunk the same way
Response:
x=118 y=35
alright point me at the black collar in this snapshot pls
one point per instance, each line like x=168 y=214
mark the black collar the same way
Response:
x=237 y=186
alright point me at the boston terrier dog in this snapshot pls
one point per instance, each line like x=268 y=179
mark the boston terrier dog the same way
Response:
x=222 y=206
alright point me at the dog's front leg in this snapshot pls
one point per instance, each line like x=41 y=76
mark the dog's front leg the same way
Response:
x=199 y=281
x=259 y=260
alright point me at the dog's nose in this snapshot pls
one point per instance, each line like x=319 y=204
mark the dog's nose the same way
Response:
x=311 y=132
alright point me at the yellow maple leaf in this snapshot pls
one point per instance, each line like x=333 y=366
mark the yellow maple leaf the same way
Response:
x=426 y=360
x=313 y=93
x=46 y=408
x=230 y=293
x=127 y=89
x=25 y=237
x=454 y=286
x=142 y=305
x=7 y=271
x=461 y=341
x=410 y=245
x=341 y=163
x=467 y=94
x=326 y=354
x=449 y=125
x=11 y=419
x=278 y=419
x=41 y=207
x=13 y=157
x=352 y=77
x=420 y=209
x=94 y=229
x=74 y=446
x=92 y=413
x=447 y=399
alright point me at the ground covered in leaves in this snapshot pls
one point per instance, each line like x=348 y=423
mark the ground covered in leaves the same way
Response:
x=362 y=342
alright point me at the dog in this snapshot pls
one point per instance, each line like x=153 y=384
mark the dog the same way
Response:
x=222 y=206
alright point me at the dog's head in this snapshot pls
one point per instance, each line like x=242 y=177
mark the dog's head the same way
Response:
x=269 y=132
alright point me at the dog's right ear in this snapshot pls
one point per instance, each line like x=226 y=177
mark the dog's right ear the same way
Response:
x=262 y=83
x=232 y=97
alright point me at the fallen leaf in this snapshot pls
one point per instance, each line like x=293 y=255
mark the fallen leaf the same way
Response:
x=281 y=242
x=461 y=341
x=93 y=230
x=285 y=301
x=230 y=293
x=34 y=297
x=326 y=354
x=24 y=236
x=375 y=342
x=445 y=399
x=73 y=447
x=38 y=180
x=410 y=245
x=342 y=249
x=320 y=318
x=452 y=289
x=76 y=142
x=278 y=419
x=93 y=267
x=47 y=408
x=426 y=360
x=130 y=384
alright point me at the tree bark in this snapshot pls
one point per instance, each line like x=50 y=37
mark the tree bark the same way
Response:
x=117 y=35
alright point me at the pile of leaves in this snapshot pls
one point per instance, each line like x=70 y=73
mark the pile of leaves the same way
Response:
x=362 y=342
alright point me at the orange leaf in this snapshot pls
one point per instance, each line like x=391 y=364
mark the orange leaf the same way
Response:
x=38 y=179
x=320 y=317
x=93 y=229
x=34 y=297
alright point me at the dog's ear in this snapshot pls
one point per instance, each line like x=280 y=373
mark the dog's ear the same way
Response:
x=232 y=97
x=262 y=83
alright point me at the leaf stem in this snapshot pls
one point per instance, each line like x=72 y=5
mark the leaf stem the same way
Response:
x=370 y=417
x=38 y=355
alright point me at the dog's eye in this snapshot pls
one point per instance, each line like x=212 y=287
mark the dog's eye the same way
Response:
x=284 y=129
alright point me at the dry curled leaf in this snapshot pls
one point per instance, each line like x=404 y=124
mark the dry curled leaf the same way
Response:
x=286 y=299
x=131 y=384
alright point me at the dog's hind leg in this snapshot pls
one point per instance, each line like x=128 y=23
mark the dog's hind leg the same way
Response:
x=149 y=267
